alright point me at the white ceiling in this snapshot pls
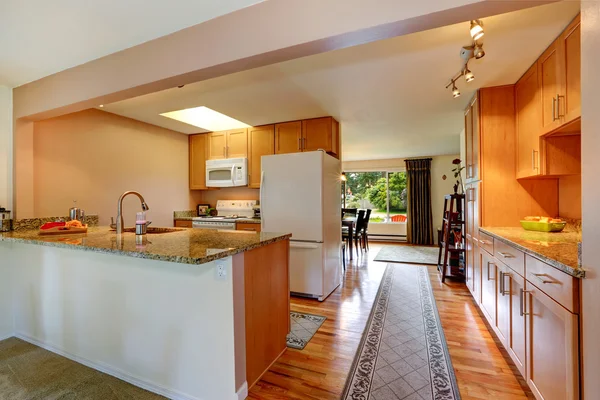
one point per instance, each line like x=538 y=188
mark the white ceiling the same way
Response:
x=389 y=95
x=41 y=37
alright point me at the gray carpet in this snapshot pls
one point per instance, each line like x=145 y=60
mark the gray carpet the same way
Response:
x=409 y=254
x=304 y=326
x=403 y=352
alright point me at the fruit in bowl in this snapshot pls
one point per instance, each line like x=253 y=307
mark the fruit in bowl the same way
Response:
x=543 y=224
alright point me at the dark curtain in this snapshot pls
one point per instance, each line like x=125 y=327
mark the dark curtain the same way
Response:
x=419 y=229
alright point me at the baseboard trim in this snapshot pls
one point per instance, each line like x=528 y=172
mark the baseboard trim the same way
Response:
x=151 y=387
x=242 y=393
x=6 y=337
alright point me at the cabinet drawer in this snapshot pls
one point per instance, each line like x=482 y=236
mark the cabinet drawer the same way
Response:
x=510 y=256
x=240 y=226
x=562 y=288
x=486 y=242
x=182 y=223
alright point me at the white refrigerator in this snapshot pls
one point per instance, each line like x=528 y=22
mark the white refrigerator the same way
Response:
x=300 y=193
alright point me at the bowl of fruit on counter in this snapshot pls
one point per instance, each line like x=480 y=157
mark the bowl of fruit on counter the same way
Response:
x=543 y=224
x=63 y=228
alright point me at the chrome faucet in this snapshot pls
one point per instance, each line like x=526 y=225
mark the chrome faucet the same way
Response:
x=120 y=222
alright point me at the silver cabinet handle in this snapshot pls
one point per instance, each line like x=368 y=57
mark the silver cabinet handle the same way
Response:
x=488 y=271
x=483 y=241
x=522 y=305
x=224 y=152
x=544 y=281
x=505 y=255
x=300 y=144
x=502 y=283
x=554 y=109
x=558 y=96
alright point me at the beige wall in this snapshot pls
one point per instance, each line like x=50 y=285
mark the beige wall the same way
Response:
x=569 y=197
x=242 y=193
x=94 y=156
x=440 y=166
x=590 y=144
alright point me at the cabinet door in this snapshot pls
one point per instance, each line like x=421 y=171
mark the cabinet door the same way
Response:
x=515 y=344
x=503 y=302
x=183 y=224
x=469 y=142
x=469 y=270
x=250 y=227
x=198 y=150
x=550 y=86
x=476 y=134
x=317 y=133
x=288 y=137
x=237 y=143
x=488 y=287
x=528 y=123
x=552 y=343
x=261 y=142
x=570 y=104
x=217 y=145
x=477 y=273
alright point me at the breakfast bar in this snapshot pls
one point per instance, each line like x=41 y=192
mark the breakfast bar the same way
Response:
x=186 y=313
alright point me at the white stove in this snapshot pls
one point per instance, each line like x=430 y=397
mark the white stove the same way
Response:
x=228 y=211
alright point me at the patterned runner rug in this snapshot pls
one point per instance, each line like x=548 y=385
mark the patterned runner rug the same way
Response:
x=403 y=352
x=303 y=328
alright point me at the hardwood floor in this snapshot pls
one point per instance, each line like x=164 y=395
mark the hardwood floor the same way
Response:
x=319 y=371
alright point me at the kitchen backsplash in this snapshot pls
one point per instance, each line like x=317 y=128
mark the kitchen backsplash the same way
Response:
x=185 y=214
x=35 y=223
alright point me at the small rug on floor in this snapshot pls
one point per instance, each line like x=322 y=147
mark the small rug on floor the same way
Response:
x=409 y=254
x=403 y=352
x=304 y=326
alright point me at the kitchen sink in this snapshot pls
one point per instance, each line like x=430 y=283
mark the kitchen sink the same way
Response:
x=152 y=230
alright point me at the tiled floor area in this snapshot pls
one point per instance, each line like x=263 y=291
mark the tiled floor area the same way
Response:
x=28 y=372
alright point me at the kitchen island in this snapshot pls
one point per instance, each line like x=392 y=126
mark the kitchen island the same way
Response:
x=186 y=313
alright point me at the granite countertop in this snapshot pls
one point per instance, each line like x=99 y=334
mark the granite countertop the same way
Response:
x=559 y=249
x=184 y=218
x=186 y=246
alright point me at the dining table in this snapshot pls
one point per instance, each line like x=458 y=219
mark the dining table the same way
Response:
x=350 y=223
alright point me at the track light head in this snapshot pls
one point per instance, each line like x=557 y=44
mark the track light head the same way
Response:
x=455 y=91
x=469 y=77
x=478 y=51
x=476 y=29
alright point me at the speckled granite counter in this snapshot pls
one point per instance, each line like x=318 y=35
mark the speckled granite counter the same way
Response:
x=187 y=246
x=557 y=249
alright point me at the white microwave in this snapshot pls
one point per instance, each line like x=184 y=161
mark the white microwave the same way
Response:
x=227 y=173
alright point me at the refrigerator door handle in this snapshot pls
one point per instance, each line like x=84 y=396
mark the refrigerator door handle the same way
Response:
x=303 y=245
x=260 y=195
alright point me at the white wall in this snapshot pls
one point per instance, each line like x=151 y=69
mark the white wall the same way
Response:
x=6 y=292
x=590 y=145
x=6 y=147
x=164 y=326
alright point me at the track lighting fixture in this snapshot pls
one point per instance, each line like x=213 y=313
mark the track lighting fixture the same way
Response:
x=455 y=91
x=476 y=29
x=469 y=77
x=478 y=51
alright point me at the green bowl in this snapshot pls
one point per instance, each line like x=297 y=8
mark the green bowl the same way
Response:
x=543 y=226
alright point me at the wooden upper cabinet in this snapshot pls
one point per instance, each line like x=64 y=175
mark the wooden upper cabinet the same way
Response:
x=468 y=141
x=550 y=86
x=570 y=46
x=237 y=143
x=320 y=133
x=217 y=145
x=552 y=347
x=528 y=107
x=261 y=142
x=198 y=145
x=288 y=137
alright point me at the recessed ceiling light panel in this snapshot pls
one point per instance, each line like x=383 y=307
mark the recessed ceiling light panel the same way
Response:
x=206 y=118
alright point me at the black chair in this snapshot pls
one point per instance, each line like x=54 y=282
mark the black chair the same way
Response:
x=360 y=223
x=349 y=212
x=365 y=231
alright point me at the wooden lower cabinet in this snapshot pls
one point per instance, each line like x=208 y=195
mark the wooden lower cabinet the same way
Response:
x=248 y=226
x=515 y=341
x=503 y=302
x=488 y=287
x=183 y=223
x=470 y=266
x=552 y=347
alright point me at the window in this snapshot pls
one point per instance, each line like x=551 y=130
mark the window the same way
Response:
x=383 y=192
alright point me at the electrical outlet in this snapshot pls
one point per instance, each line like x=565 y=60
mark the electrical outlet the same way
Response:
x=221 y=272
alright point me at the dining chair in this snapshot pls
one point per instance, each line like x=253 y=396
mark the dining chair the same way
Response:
x=360 y=224
x=365 y=231
x=349 y=212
